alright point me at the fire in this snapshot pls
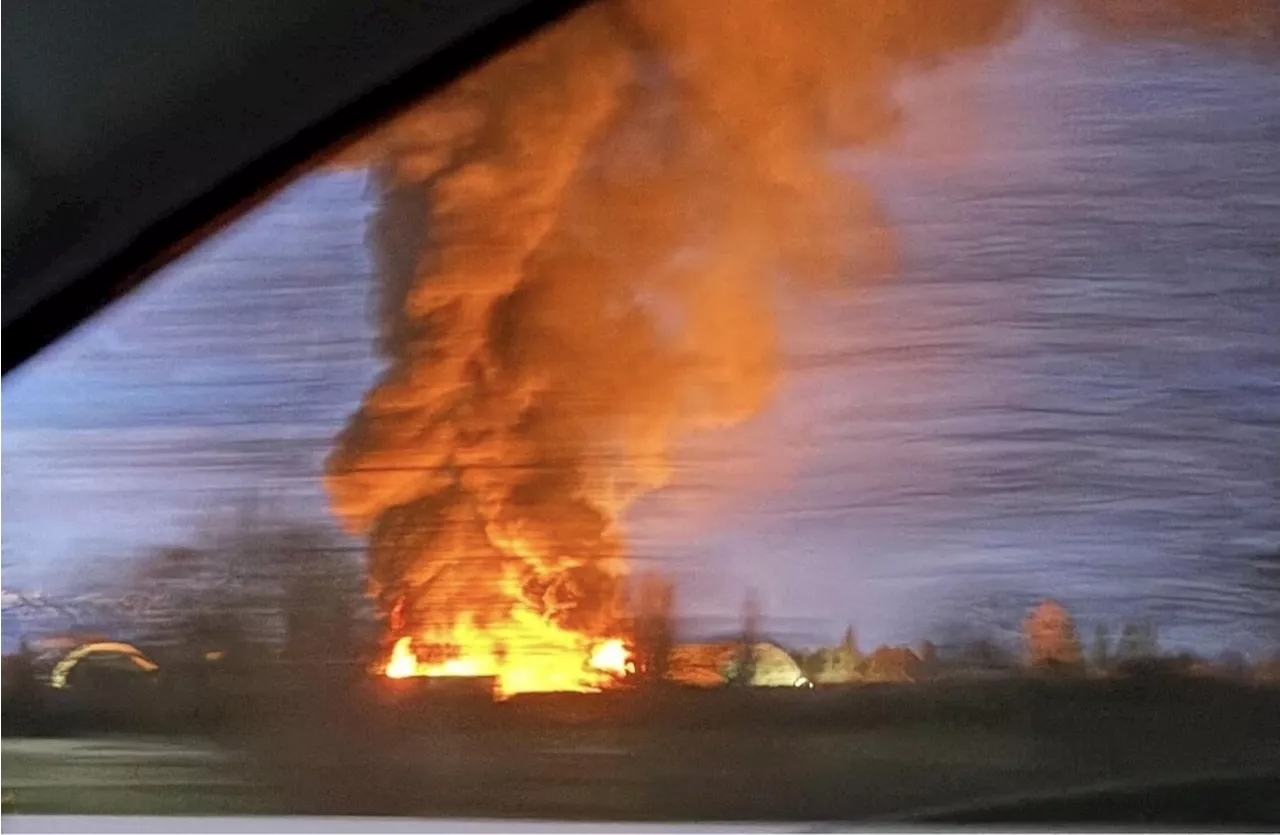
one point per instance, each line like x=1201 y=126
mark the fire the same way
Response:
x=548 y=659
x=528 y=649
x=579 y=260
x=402 y=663
x=612 y=657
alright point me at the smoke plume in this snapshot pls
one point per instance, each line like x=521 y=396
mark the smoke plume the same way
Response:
x=578 y=245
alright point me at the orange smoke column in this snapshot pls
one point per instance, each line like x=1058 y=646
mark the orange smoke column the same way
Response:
x=579 y=245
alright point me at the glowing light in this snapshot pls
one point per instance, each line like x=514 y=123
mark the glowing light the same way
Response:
x=403 y=663
x=524 y=652
x=58 y=678
x=611 y=657
x=535 y=657
x=456 y=667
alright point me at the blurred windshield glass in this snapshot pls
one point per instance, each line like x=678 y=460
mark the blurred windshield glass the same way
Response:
x=875 y=398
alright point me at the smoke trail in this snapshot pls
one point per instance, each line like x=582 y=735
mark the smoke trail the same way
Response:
x=579 y=245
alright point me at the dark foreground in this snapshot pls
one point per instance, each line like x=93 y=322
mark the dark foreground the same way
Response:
x=896 y=753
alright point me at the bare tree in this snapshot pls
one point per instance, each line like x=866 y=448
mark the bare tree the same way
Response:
x=928 y=659
x=744 y=664
x=1100 y=653
x=1050 y=636
x=653 y=630
x=1138 y=642
x=849 y=646
x=255 y=583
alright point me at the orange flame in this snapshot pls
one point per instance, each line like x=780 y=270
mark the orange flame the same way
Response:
x=612 y=657
x=527 y=652
x=402 y=663
x=547 y=659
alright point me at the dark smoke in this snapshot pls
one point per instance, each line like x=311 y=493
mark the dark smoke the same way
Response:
x=579 y=245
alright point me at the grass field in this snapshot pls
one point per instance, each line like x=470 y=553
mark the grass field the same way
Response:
x=848 y=755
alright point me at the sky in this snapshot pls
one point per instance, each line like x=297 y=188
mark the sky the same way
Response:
x=1071 y=388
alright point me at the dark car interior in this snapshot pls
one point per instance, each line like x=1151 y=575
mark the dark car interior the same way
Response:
x=131 y=132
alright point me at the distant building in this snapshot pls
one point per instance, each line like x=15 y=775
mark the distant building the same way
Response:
x=833 y=666
x=715 y=665
x=893 y=664
x=838 y=665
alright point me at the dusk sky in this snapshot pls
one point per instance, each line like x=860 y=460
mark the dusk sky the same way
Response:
x=1071 y=387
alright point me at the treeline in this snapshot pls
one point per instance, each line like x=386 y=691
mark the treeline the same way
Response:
x=255 y=605
x=1048 y=644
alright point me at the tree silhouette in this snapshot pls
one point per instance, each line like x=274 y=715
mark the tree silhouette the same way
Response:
x=1138 y=642
x=254 y=584
x=1050 y=636
x=744 y=662
x=849 y=646
x=928 y=658
x=1100 y=653
x=653 y=629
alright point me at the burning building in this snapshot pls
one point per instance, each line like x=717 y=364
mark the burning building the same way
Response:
x=579 y=245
